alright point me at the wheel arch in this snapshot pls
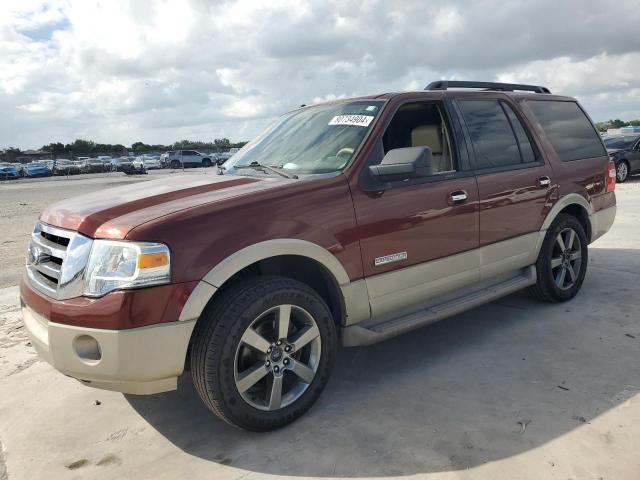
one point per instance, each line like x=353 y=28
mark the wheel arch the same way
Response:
x=298 y=259
x=575 y=205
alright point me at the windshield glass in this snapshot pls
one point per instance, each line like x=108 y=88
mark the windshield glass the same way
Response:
x=620 y=142
x=318 y=139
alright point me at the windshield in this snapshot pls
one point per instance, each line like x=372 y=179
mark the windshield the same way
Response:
x=318 y=139
x=620 y=142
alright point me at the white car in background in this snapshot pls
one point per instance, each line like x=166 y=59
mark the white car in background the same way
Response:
x=150 y=162
x=187 y=158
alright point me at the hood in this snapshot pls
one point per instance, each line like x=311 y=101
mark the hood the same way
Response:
x=611 y=151
x=114 y=212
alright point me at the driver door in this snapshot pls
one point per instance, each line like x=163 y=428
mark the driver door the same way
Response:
x=418 y=238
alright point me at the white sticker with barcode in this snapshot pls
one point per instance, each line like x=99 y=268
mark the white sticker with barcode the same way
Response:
x=359 y=120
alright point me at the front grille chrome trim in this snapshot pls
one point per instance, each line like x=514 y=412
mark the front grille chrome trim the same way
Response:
x=50 y=269
x=50 y=248
x=56 y=269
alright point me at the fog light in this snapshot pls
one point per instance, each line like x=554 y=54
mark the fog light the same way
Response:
x=87 y=348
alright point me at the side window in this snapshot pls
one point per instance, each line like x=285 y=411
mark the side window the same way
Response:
x=571 y=133
x=493 y=138
x=526 y=150
x=421 y=125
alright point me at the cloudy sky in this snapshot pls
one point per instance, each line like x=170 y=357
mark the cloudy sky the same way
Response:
x=163 y=70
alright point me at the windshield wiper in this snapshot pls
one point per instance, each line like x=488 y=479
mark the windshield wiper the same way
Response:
x=269 y=168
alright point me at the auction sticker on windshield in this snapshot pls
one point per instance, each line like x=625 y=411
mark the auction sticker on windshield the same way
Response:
x=359 y=120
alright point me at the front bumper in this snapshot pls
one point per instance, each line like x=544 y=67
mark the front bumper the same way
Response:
x=140 y=359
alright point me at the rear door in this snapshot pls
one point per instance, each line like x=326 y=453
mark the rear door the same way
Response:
x=515 y=185
x=189 y=157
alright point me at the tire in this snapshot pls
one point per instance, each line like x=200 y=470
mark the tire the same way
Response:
x=552 y=285
x=622 y=171
x=206 y=163
x=221 y=358
x=175 y=164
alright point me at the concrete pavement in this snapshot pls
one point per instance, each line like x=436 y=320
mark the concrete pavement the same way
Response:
x=514 y=389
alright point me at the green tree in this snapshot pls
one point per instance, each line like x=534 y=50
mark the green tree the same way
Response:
x=140 y=147
x=55 y=148
x=81 y=146
x=617 y=123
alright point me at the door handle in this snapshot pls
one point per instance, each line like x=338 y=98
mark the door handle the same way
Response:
x=544 y=182
x=458 y=197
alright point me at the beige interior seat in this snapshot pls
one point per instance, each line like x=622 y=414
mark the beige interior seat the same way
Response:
x=431 y=136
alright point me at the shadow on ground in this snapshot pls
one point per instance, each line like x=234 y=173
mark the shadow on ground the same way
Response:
x=450 y=396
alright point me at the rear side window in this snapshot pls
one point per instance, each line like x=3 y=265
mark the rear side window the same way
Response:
x=498 y=138
x=526 y=150
x=568 y=129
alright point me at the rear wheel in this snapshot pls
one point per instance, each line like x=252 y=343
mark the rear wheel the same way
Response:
x=622 y=172
x=562 y=262
x=263 y=352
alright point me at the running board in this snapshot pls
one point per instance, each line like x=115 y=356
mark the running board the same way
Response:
x=356 y=335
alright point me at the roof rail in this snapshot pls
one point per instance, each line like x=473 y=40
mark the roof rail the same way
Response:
x=502 y=87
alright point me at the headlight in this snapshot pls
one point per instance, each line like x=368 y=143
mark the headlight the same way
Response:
x=115 y=265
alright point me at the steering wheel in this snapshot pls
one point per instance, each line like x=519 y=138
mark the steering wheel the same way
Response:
x=345 y=151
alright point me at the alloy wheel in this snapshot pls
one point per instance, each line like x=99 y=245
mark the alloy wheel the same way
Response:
x=622 y=172
x=566 y=259
x=277 y=357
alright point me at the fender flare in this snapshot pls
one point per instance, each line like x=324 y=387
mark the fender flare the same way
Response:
x=231 y=265
x=561 y=204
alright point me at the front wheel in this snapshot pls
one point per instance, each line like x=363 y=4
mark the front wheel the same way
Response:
x=562 y=262
x=263 y=352
x=175 y=164
x=206 y=163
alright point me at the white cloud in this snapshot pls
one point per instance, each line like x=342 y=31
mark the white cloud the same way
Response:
x=161 y=70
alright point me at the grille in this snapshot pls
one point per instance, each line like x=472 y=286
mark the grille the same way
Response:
x=56 y=259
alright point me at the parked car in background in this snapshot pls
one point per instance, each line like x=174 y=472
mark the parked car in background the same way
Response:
x=414 y=207
x=137 y=166
x=93 y=165
x=65 y=167
x=223 y=157
x=128 y=165
x=8 y=171
x=37 y=169
x=105 y=159
x=164 y=158
x=150 y=163
x=188 y=158
x=624 y=150
x=20 y=168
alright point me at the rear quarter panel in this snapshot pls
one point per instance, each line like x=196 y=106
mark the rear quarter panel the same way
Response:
x=586 y=177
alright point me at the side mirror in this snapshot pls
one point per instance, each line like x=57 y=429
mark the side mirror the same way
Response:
x=404 y=163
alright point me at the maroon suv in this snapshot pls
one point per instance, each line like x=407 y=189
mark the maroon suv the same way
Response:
x=346 y=222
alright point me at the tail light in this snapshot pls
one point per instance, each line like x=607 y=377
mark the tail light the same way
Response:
x=611 y=176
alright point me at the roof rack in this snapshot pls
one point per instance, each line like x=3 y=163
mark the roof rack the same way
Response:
x=502 y=87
